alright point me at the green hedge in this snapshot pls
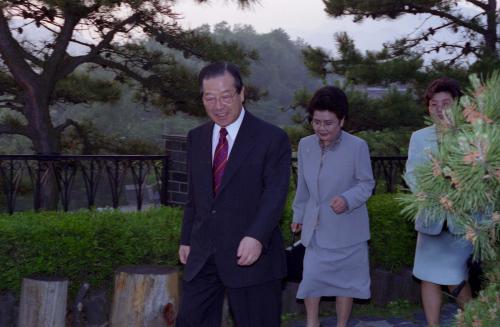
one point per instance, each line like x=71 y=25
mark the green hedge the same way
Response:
x=90 y=245
x=393 y=237
x=85 y=245
x=484 y=310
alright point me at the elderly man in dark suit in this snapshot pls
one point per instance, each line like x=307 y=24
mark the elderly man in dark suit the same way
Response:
x=239 y=169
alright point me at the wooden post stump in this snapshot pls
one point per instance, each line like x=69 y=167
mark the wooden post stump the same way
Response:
x=145 y=296
x=43 y=302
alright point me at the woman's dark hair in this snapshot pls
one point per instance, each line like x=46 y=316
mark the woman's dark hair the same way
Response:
x=442 y=84
x=218 y=69
x=329 y=98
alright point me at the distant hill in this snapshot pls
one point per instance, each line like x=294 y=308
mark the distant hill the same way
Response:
x=278 y=73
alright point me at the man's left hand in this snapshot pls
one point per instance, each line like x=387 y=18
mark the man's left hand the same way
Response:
x=249 y=251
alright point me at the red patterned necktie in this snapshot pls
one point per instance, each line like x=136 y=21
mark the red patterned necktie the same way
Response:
x=220 y=160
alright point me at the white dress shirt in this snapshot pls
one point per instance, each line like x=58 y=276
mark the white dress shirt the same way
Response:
x=232 y=132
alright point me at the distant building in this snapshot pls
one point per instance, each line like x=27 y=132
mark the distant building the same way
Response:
x=377 y=92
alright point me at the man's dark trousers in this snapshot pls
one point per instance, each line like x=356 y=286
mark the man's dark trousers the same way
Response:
x=253 y=306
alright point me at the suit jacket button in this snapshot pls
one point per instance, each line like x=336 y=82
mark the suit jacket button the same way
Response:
x=214 y=212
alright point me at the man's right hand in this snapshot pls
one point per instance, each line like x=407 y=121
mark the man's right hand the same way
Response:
x=184 y=253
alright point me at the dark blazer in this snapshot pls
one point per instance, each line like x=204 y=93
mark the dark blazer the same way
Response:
x=250 y=202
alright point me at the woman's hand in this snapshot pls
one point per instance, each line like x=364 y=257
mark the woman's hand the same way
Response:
x=296 y=227
x=338 y=204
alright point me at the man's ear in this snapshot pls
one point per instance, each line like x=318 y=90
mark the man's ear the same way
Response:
x=242 y=94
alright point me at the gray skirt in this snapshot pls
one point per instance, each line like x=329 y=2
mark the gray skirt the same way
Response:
x=335 y=272
x=442 y=259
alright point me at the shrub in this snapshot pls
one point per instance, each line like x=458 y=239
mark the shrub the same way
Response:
x=484 y=310
x=295 y=133
x=387 y=142
x=89 y=245
x=287 y=217
x=85 y=245
x=393 y=237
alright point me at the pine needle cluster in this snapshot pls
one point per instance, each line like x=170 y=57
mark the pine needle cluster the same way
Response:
x=461 y=181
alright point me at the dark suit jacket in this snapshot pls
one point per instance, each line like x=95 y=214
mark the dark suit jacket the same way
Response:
x=250 y=202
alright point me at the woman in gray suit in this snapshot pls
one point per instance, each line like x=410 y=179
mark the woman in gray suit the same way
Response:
x=440 y=257
x=334 y=182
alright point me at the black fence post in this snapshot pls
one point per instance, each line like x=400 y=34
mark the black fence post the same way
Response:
x=164 y=182
x=37 y=192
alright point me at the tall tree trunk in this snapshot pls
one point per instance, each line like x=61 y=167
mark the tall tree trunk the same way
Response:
x=491 y=36
x=45 y=137
x=46 y=140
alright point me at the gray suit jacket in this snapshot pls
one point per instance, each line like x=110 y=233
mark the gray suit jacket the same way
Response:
x=346 y=172
x=423 y=141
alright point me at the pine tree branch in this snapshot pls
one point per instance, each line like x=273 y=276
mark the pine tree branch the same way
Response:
x=12 y=105
x=74 y=62
x=6 y=128
x=87 y=145
x=13 y=56
x=424 y=36
x=446 y=15
x=120 y=67
x=59 y=51
x=480 y=4
x=69 y=122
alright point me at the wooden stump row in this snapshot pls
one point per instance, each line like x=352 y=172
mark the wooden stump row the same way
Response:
x=143 y=296
x=149 y=296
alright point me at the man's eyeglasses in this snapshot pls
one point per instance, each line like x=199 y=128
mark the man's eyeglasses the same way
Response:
x=225 y=98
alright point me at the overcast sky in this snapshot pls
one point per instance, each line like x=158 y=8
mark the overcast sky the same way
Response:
x=299 y=18
x=303 y=19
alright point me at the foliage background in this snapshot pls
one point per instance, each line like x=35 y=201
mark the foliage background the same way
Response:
x=128 y=124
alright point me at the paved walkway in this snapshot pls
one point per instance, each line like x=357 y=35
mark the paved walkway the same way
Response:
x=447 y=315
